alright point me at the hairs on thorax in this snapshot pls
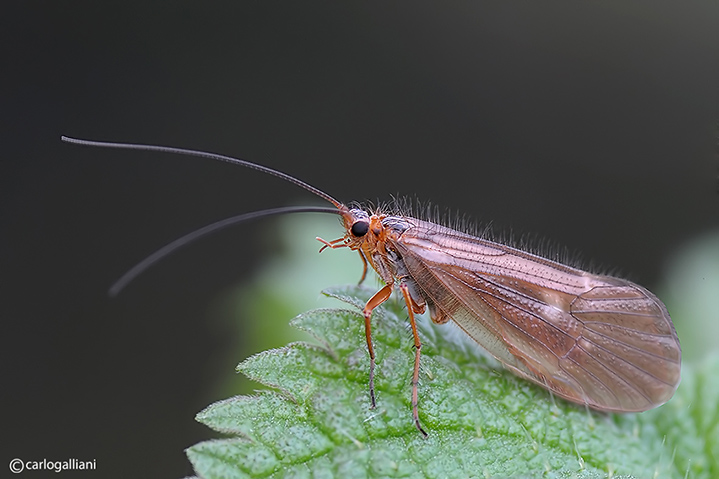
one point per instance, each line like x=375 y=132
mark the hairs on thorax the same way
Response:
x=528 y=242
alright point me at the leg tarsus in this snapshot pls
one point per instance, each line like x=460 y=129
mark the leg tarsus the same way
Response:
x=373 y=401
x=415 y=394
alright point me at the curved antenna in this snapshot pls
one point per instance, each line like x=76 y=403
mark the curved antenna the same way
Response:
x=204 y=154
x=170 y=248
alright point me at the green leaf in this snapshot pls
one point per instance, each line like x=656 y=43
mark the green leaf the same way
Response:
x=482 y=421
x=690 y=421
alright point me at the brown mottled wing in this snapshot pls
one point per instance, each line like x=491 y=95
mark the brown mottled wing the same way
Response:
x=595 y=340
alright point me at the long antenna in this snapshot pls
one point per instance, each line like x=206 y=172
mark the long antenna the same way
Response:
x=204 y=154
x=170 y=248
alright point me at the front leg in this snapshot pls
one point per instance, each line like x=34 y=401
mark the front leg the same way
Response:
x=379 y=297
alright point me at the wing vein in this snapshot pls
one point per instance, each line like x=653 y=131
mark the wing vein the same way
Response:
x=621 y=378
x=627 y=345
x=614 y=325
x=579 y=382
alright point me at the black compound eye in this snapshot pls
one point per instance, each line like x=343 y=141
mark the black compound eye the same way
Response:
x=360 y=228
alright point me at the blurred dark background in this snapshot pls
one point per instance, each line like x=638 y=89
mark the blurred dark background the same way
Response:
x=590 y=125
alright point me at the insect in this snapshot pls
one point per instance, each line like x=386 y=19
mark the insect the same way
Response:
x=595 y=340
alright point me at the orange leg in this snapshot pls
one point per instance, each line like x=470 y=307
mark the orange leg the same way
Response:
x=379 y=297
x=364 y=267
x=334 y=244
x=340 y=243
x=417 y=348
